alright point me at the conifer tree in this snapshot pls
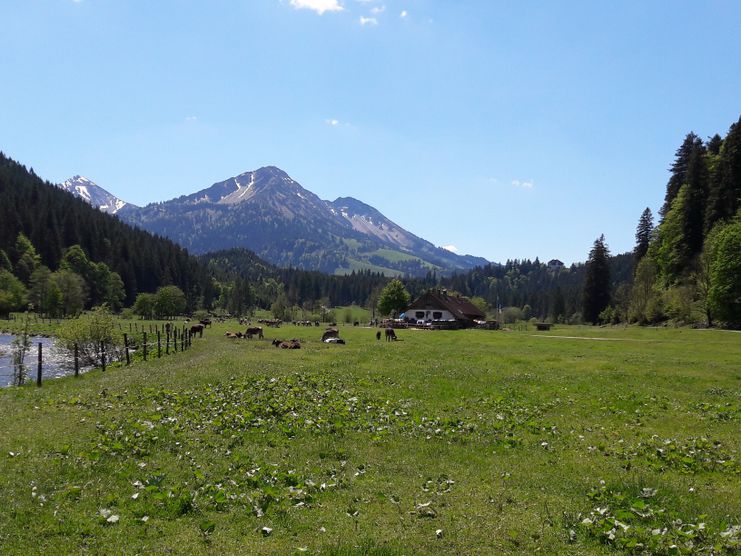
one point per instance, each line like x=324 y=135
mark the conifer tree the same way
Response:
x=679 y=170
x=725 y=183
x=714 y=144
x=596 y=281
x=5 y=263
x=643 y=234
x=697 y=191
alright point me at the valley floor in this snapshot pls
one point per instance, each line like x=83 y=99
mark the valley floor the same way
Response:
x=459 y=442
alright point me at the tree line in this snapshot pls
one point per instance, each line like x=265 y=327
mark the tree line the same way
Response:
x=687 y=268
x=63 y=254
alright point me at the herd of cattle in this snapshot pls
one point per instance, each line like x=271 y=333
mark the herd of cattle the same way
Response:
x=331 y=335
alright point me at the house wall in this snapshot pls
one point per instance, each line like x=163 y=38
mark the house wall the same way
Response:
x=427 y=314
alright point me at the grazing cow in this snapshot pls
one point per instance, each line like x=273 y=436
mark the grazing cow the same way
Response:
x=390 y=334
x=206 y=323
x=378 y=335
x=356 y=323
x=330 y=333
x=197 y=329
x=334 y=341
x=231 y=335
x=254 y=330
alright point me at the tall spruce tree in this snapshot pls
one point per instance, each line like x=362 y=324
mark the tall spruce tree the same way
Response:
x=679 y=170
x=725 y=183
x=643 y=234
x=696 y=180
x=596 y=281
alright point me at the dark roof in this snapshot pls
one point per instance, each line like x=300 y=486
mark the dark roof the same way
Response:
x=555 y=262
x=461 y=307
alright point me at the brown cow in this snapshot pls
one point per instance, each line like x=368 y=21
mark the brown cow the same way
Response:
x=252 y=331
x=197 y=329
x=288 y=344
x=390 y=334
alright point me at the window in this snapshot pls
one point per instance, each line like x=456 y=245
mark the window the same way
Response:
x=420 y=314
x=437 y=315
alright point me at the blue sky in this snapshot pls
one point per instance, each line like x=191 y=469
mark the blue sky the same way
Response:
x=506 y=129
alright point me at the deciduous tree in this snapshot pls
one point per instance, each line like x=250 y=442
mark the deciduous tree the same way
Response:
x=394 y=298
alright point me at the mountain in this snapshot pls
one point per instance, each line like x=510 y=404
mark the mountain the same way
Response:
x=369 y=221
x=94 y=194
x=271 y=214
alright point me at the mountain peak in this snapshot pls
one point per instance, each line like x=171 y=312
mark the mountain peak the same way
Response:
x=93 y=194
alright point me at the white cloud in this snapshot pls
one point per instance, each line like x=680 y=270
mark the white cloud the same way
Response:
x=191 y=118
x=319 y=6
x=451 y=248
x=365 y=21
x=523 y=184
x=332 y=122
x=378 y=10
x=403 y=14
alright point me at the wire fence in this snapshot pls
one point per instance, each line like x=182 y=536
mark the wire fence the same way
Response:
x=140 y=344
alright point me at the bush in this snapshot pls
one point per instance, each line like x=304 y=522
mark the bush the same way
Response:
x=94 y=334
x=511 y=315
x=576 y=318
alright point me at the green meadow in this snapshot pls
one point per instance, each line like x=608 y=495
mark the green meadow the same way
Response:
x=580 y=440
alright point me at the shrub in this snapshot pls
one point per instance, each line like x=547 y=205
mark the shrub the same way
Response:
x=94 y=334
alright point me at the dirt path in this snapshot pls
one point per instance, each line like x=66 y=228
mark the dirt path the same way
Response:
x=592 y=338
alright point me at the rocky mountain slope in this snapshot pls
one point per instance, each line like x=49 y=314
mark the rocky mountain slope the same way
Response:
x=284 y=223
x=94 y=194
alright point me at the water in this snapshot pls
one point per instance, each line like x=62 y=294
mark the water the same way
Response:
x=55 y=363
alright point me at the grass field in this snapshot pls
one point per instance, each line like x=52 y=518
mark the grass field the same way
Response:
x=576 y=441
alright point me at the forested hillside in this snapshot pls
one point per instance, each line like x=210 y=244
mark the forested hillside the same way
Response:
x=52 y=221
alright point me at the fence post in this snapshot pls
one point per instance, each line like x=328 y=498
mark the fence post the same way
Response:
x=159 y=343
x=126 y=348
x=102 y=354
x=167 y=344
x=145 y=346
x=38 y=372
x=131 y=327
x=77 y=360
x=175 y=339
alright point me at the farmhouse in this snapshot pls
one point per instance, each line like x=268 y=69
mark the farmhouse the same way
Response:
x=436 y=307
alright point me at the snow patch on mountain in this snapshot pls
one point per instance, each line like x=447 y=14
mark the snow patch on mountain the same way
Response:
x=93 y=194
